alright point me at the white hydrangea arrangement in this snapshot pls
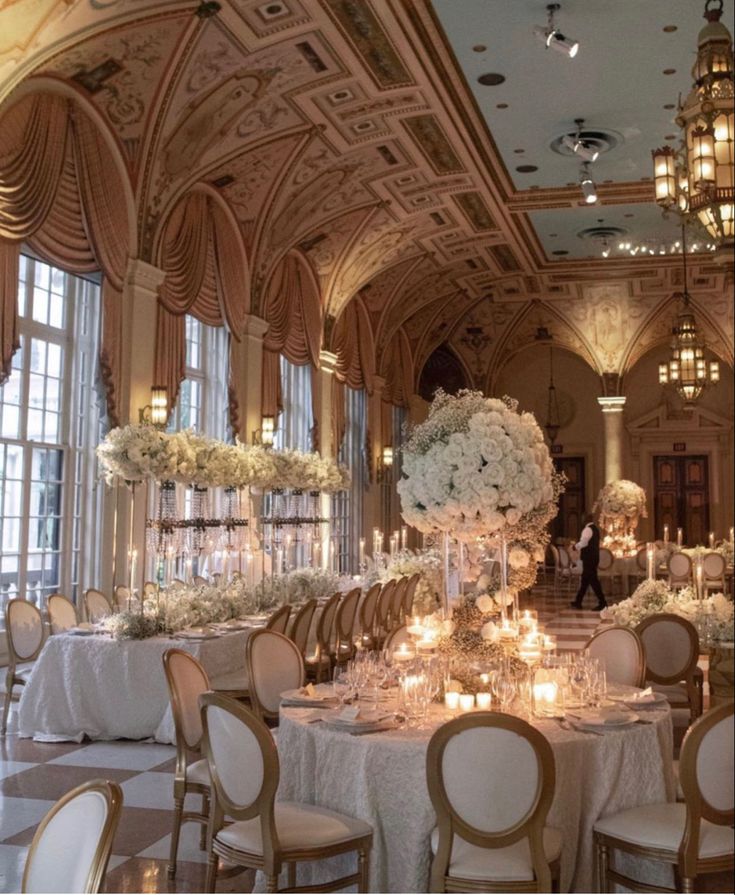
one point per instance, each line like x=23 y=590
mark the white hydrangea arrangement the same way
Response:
x=404 y=563
x=135 y=453
x=621 y=504
x=476 y=467
x=653 y=597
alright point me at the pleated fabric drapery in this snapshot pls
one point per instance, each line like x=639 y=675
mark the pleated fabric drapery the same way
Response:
x=206 y=270
x=339 y=414
x=397 y=367
x=61 y=191
x=353 y=343
x=294 y=313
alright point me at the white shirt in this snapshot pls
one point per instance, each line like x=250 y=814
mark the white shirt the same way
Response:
x=584 y=538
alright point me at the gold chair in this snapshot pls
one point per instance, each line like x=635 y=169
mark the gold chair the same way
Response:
x=491 y=781
x=122 y=599
x=24 y=633
x=714 y=568
x=680 y=570
x=382 y=612
x=301 y=625
x=696 y=835
x=96 y=605
x=267 y=835
x=344 y=627
x=366 y=615
x=621 y=653
x=408 y=598
x=279 y=620
x=671 y=646
x=274 y=664
x=62 y=613
x=319 y=665
x=396 y=616
x=187 y=681
x=72 y=844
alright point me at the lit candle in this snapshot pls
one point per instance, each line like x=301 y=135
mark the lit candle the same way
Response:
x=544 y=695
x=362 y=552
x=732 y=535
x=507 y=632
x=651 y=560
x=527 y=622
x=279 y=561
x=485 y=678
x=188 y=564
x=679 y=537
x=404 y=537
x=415 y=628
x=712 y=539
x=403 y=653
x=393 y=545
x=666 y=534
x=287 y=554
x=484 y=701
x=699 y=580
x=466 y=702
x=451 y=700
x=549 y=642
x=376 y=542
x=133 y=557
x=169 y=565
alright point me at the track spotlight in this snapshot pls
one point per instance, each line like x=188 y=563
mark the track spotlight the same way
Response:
x=589 y=190
x=577 y=145
x=552 y=37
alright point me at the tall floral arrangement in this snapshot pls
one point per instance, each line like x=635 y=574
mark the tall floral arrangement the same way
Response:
x=620 y=505
x=426 y=563
x=476 y=467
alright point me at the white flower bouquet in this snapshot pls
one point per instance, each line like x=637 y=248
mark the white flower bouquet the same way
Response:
x=427 y=563
x=621 y=504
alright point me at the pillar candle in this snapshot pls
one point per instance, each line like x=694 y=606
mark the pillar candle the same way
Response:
x=362 y=552
x=679 y=537
x=451 y=701
x=666 y=534
x=466 y=702
x=712 y=539
x=651 y=560
x=484 y=701
x=404 y=537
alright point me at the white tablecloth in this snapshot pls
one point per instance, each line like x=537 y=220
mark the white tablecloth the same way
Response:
x=107 y=689
x=381 y=778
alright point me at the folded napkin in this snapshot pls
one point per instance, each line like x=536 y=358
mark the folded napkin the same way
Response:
x=644 y=696
x=604 y=718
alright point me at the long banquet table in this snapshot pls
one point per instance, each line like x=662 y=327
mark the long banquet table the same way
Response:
x=107 y=689
x=381 y=778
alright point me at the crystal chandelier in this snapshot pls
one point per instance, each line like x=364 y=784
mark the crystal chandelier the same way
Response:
x=687 y=369
x=697 y=179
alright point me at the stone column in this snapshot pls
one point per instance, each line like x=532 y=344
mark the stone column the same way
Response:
x=322 y=401
x=612 y=408
x=247 y=376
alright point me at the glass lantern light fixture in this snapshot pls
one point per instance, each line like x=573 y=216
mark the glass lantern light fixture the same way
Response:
x=698 y=180
x=155 y=413
x=266 y=435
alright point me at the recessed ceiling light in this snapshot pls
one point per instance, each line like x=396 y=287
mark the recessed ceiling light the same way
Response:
x=491 y=79
x=502 y=106
x=526 y=169
x=519 y=151
x=479 y=48
x=560 y=252
x=669 y=29
x=669 y=106
x=553 y=235
x=670 y=137
x=669 y=71
x=629 y=215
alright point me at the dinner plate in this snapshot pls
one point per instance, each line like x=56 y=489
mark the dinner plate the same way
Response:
x=196 y=635
x=297 y=698
x=360 y=726
x=81 y=632
x=599 y=721
x=657 y=702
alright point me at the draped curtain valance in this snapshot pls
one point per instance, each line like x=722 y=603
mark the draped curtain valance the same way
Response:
x=353 y=343
x=203 y=257
x=61 y=191
x=293 y=310
x=397 y=367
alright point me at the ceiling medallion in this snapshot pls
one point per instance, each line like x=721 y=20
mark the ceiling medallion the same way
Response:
x=696 y=179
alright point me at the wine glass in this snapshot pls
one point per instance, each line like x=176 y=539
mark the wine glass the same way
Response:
x=342 y=685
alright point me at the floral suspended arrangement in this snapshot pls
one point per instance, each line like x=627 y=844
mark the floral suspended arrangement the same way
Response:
x=620 y=505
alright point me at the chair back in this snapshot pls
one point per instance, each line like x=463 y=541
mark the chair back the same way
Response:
x=71 y=847
x=325 y=625
x=671 y=646
x=641 y=560
x=187 y=681
x=713 y=567
x=301 y=625
x=274 y=665
x=243 y=764
x=706 y=774
x=382 y=614
x=396 y=637
x=408 y=598
x=96 y=605
x=680 y=567
x=396 y=602
x=122 y=597
x=150 y=590
x=62 y=613
x=621 y=654
x=344 y=621
x=278 y=621
x=555 y=556
x=565 y=560
x=606 y=560
x=199 y=580
x=491 y=781
x=24 y=630
x=367 y=612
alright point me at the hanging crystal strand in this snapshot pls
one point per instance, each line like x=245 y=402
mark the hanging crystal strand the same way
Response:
x=445 y=569
x=503 y=580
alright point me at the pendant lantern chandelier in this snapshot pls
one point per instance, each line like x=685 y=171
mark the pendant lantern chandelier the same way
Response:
x=697 y=180
x=552 y=424
x=688 y=370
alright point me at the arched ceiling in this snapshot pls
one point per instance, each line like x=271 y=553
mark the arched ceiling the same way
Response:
x=348 y=130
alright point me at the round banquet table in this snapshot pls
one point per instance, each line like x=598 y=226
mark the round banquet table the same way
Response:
x=380 y=778
x=108 y=689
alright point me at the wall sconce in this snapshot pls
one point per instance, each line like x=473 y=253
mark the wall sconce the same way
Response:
x=266 y=435
x=385 y=465
x=155 y=413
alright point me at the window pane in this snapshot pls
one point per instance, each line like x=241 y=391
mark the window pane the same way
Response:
x=40 y=305
x=56 y=311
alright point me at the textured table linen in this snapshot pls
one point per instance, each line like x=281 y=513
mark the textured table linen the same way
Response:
x=381 y=778
x=107 y=689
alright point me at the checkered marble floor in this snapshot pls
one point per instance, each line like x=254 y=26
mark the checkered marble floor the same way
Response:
x=33 y=775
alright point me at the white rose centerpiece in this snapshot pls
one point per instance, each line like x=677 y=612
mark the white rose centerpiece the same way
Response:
x=620 y=505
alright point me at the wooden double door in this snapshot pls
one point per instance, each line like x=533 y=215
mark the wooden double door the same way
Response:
x=681 y=497
x=569 y=521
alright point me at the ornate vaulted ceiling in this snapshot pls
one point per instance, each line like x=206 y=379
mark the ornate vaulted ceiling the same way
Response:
x=346 y=129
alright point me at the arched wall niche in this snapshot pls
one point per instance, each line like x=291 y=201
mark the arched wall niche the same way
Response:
x=443 y=369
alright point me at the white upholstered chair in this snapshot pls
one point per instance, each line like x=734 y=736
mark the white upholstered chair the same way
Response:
x=621 y=653
x=345 y=622
x=366 y=615
x=565 y=566
x=396 y=603
x=274 y=664
x=187 y=681
x=96 y=605
x=62 y=613
x=24 y=632
x=301 y=625
x=491 y=781
x=408 y=598
x=267 y=835
x=671 y=646
x=696 y=835
x=382 y=611
x=122 y=598
x=72 y=844
x=278 y=620
x=713 y=569
x=680 y=570
x=199 y=580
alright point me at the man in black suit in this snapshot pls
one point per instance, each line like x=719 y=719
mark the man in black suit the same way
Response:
x=589 y=551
